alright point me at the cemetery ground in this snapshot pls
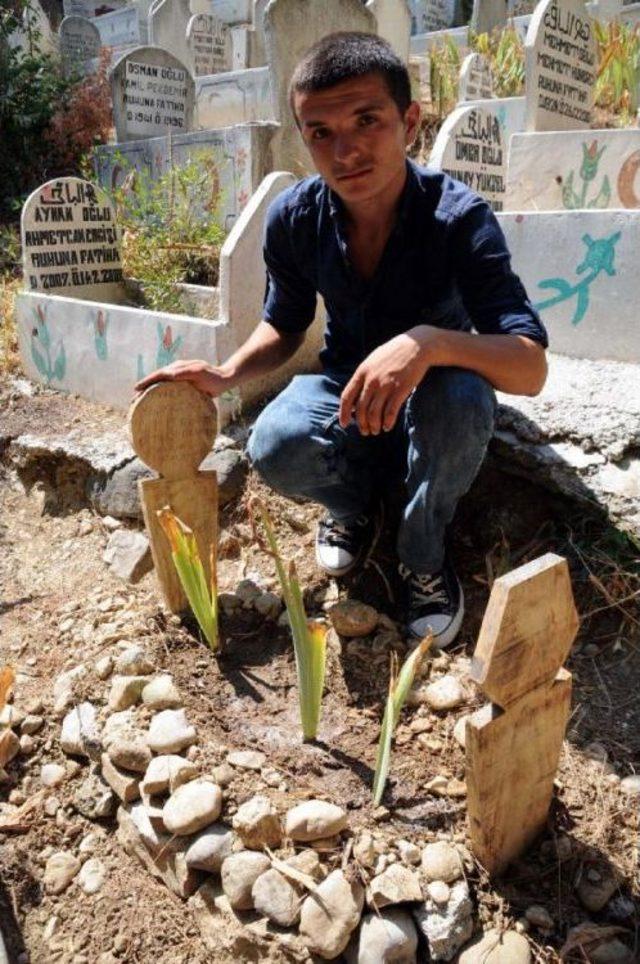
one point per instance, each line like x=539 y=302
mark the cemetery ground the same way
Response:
x=62 y=607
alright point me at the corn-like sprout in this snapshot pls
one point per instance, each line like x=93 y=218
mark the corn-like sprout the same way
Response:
x=399 y=686
x=309 y=637
x=203 y=597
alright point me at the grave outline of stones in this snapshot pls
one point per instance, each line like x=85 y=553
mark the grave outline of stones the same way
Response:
x=540 y=118
x=513 y=744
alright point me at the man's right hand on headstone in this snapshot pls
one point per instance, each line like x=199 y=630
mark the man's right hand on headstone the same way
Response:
x=206 y=378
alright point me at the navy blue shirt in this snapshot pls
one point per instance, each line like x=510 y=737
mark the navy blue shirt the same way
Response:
x=446 y=264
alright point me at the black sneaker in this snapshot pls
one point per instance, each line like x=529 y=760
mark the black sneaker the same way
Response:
x=340 y=545
x=435 y=604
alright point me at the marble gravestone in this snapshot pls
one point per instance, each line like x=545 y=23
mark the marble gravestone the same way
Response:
x=120 y=28
x=430 y=15
x=470 y=147
x=291 y=27
x=209 y=44
x=476 y=79
x=153 y=94
x=488 y=14
x=394 y=24
x=79 y=41
x=561 y=66
x=71 y=242
x=168 y=21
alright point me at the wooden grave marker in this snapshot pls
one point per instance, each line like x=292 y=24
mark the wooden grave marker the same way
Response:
x=173 y=427
x=513 y=744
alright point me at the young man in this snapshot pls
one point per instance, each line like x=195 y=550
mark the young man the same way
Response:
x=407 y=261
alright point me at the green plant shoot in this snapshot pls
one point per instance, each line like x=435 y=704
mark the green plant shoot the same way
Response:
x=399 y=686
x=309 y=637
x=203 y=598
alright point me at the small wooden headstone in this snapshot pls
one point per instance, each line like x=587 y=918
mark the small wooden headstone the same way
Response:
x=173 y=428
x=513 y=744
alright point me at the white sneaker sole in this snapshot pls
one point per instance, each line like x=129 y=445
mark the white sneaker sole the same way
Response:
x=448 y=635
x=331 y=571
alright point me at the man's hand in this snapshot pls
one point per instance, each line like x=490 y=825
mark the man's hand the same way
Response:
x=206 y=378
x=385 y=379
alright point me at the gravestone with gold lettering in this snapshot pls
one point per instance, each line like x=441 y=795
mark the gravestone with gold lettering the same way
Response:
x=561 y=66
x=470 y=147
x=153 y=94
x=71 y=242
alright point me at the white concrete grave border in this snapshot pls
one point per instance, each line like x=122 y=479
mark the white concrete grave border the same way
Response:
x=105 y=347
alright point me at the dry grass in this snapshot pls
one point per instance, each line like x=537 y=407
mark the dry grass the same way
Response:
x=9 y=355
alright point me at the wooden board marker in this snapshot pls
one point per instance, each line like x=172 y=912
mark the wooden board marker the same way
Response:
x=513 y=744
x=173 y=427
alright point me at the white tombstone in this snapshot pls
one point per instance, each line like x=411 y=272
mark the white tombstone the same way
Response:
x=488 y=14
x=470 y=147
x=209 y=44
x=291 y=27
x=394 y=24
x=153 y=94
x=476 y=79
x=233 y=11
x=71 y=242
x=168 y=21
x=561 y=66
x=79 y=41
x=430 y=15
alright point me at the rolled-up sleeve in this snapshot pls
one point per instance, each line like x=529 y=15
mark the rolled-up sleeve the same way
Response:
x=493 y=294
x=290 y=298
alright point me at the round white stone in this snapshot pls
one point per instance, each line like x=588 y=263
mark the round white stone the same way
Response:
x=192 y=807
x=314 y=819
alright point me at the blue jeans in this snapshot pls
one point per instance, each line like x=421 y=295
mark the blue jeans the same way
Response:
x=435 y=450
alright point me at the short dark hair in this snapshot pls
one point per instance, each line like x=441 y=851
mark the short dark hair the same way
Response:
x=343 y=56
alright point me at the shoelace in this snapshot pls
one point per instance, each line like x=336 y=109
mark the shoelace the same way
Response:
x=425 y=588
x=333 y=529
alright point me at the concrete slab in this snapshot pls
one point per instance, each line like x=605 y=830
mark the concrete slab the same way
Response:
x=580 y=271
x=574 y=169
x=581 y=435
x=235 y=97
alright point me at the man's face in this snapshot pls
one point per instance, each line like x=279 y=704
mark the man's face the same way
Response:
x=356 y=136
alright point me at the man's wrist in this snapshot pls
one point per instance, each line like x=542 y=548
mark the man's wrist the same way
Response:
x=434 y=345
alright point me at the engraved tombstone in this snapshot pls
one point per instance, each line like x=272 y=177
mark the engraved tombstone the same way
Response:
x=560 y=60
x=71 y=242
x=291 y=27
x=153 y=94
x=430 y=15
x=476 y=79
x=209 y=44
x=470 y=147
x=79 y=42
